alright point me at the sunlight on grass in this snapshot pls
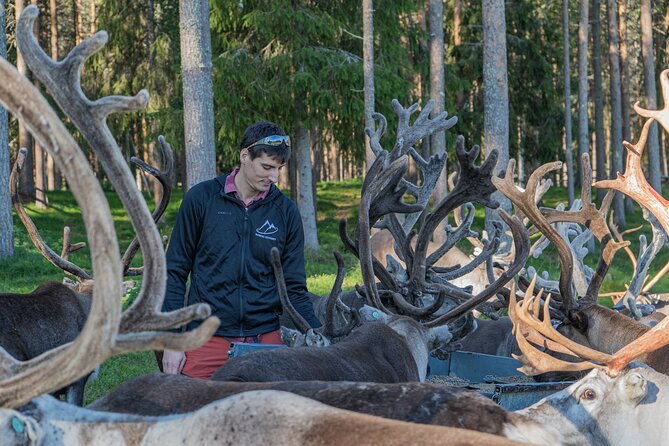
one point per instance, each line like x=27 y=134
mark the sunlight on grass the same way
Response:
x=336 y=201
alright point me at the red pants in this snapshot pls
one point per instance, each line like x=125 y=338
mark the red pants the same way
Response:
x=203 y=362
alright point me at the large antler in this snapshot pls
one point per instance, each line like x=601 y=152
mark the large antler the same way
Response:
x=529 y=326
x=99 y=339
x=62 y=261
x=524 y=201
x=59 y=261
x=63 y=82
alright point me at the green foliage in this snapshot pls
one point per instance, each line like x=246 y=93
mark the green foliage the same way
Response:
x=300 y=61
x=534 y=53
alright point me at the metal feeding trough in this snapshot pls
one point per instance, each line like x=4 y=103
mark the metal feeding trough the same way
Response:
x=495 y=377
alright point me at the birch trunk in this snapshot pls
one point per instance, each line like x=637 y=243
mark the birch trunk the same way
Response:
x=600 y=140
x=6 y=224
x=625 y=106
x=368 y=72
x=583 y=132
x=306 y=197
x=616 y=140
x=198 y=96
x=652 y=146
x=26 y=180
x=567 y=102
x=41 y=201
x=438 y=139
x=53 y=178
x=495 y=96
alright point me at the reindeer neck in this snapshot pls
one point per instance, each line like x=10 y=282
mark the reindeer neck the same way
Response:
x=608 y=331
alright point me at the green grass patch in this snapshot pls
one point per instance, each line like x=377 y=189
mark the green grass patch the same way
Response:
x=27 y=269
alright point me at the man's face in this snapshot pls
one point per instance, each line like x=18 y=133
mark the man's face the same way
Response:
x=260 y=172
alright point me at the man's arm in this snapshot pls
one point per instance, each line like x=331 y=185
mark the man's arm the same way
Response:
x=181 y=250
x=292 y=261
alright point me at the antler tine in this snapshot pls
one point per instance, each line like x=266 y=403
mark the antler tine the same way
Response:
x=474 y=185
x=58 y=261
x=328 y=326
x=373 y=188
x=619 y=237
x=521 y=242
x=408 y=135
x=63 y=81
x=288 y=307
x=646 y=256
x=661 y=116
x=633 y=184
x=165 y=179
x=463 y=230
x=376 y=134
x=69 y=247
x=525 y=202
x=527 y=326
x=489 y=248
x=431 y=170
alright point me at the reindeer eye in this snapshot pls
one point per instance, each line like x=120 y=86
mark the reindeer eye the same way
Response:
x=589 y=394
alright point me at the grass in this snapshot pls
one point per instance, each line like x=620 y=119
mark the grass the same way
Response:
x=28 y=268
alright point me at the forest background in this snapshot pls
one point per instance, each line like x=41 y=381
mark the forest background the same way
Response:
x=300 y=63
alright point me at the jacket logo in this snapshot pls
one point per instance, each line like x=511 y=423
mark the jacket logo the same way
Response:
x=266 y=230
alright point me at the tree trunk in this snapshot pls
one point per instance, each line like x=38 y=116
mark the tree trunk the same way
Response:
x=652 y=146
x=616 y=139
x=457 y=21
x=6 y=224
x=368 y=72
x=457 y=40
x=78 y=21
x=600 y=145
x=41 y=201
x=306 y=200
x=583 y=131
x=316 y=161
x=53 y=177
x=197 y=91
x=26 y=180
x=438 y=139
x=495 y=97
x=625 y=107
x=93 y=17
x=567 y=102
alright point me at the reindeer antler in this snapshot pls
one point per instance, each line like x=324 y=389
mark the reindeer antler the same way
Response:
x=63 y=81
x=99 y=339
x=59 y=261
x=527 y=325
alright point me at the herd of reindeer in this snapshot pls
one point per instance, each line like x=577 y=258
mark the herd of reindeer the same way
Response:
x=360 y=379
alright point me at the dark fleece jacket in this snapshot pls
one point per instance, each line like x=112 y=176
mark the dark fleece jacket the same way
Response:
x=225 y=248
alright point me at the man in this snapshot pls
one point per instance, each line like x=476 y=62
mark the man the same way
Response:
x=222 y=239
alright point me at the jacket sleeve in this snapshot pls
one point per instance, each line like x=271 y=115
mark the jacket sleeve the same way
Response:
x=292 y=261
x=181 y=250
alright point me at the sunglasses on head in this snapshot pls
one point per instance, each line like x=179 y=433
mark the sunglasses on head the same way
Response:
x=272 y=140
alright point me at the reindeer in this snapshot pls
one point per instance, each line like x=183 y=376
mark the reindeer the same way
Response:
x=271 y=416
x=397 y=349
x=54 y=313
x=616 y=403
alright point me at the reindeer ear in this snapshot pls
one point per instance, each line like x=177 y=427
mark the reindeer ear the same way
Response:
x=578 y=319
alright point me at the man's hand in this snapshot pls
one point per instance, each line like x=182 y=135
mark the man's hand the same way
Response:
x=173 y=362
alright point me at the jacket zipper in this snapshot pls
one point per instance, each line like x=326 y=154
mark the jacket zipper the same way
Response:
x=241 y=273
